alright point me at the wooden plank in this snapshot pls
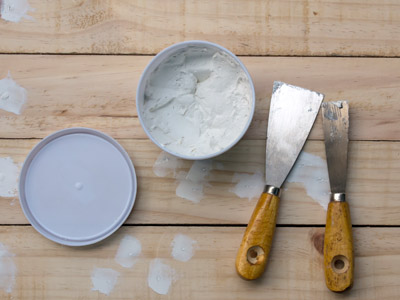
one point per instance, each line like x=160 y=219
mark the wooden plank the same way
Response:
x=373 y=186
x=99 y=92
x=256 y=27
x=46 y=270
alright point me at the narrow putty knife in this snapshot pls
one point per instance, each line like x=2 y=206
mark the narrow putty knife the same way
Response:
x=292 y=114
x=338 y=243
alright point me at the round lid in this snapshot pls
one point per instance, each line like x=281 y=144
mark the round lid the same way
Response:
x=77 y=186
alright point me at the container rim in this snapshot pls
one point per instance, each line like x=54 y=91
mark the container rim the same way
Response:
x=179 y=46
x=47 y=232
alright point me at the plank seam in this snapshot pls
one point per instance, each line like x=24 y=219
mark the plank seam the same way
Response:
x=229 y=225
x=238 y=55
x=243 y=139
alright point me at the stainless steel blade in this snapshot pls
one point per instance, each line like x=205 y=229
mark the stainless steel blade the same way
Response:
x=335 y=121
x=292 y=114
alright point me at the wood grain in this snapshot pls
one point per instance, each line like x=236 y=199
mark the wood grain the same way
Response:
x=338 y=248
x=374 y=173
x=46 y=270
x=99 y=92
x=255 y=27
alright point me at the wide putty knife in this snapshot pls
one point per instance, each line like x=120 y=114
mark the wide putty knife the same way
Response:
x=292 y=114
x=338 y=244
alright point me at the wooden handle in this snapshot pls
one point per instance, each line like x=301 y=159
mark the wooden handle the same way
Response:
x=254 y=249
x=338 y=248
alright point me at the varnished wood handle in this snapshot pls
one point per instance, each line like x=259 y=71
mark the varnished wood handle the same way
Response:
x=338 y=248
x=256 y=244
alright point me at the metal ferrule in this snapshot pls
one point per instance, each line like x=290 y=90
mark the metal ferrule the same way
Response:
x=269 y=189
x=338 y=197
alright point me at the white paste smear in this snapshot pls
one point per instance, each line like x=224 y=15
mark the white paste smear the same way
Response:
x=248 y=185
x=15 y=10
x=160 y=276
x=191 y=191
x=190 y=184
x=312 y=172
x=166 y=164
x=12 y=96
x=191 y=188
x=197 y=101
x=7 y=269
x=182 y=247
x=128 y=251
x=104 y=280
x=9 y=172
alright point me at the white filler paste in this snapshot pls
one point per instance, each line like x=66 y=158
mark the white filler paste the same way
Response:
x=128 y=251
x=248 y=186
x=197 y=102
x=191 y=187
x=190 y=184
x=12 y=95
x=15 y=10
x=160 y=276
x=166 y=164
x=104 y=280
x=312 y=172
x=183 y=247
x=9 y=173
x=7 y=269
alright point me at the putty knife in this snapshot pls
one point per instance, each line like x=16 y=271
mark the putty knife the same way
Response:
x=292 y=114
x=338 y=243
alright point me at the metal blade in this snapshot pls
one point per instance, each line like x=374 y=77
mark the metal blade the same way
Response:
x=292 y=114
x=335 y=121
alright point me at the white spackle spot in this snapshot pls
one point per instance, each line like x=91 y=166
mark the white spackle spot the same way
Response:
x=311 y=171
x=192 y=191
x=182 y=247
x=7 y=269
x=191 y=188
x=166 y=164
x=12 y=95
x=181 y=175
x=248 y=185
x=15 y=10
x=160 y=276
x=128 y=251
x=190 y=184
x=104 y=280
x=199 y=170
x=9 y=172
x=339 y=104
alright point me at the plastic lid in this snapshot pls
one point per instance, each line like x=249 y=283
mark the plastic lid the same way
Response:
x=77 y=186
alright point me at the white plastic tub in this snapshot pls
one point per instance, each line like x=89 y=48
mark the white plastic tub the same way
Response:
x=156 y=61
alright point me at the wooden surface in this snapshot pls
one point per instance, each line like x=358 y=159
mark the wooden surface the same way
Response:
x=99 y=91
x=255 y=27
x=295 y=270
x=374 y=173
x=66 y=89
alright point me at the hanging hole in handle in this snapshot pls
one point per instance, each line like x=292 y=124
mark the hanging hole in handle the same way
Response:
x=340 y=264
x=255 y=255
